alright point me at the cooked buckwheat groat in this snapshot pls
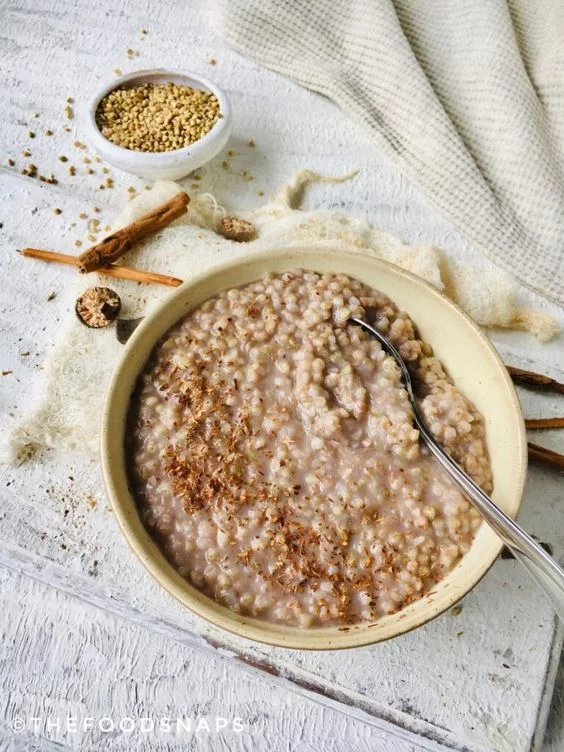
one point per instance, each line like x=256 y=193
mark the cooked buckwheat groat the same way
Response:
x=274 y=457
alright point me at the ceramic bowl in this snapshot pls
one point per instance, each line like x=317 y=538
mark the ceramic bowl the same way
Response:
x=171 y=165
x=458 y=342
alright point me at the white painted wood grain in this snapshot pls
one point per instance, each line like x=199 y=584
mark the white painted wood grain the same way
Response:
x=77 y=645
x=451 y=689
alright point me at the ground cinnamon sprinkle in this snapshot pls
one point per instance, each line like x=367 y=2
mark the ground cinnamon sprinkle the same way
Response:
x=275 y=461
x=205 y=477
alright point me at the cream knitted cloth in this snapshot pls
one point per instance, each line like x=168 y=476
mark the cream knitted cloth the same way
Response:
x=68 y=411
x=467 y=96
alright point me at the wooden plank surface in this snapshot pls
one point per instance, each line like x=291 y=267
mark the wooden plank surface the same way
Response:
x=480 y=680
x=152 y=679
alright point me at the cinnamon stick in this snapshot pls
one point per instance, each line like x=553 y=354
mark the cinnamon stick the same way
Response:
x=120 y=272
x=115 y=245
x=546 y=456
x=544 y=423
x=535 y=380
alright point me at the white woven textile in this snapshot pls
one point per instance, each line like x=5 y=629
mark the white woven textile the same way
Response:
x=466 y=96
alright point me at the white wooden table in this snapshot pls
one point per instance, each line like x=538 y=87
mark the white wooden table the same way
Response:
x=85 y=632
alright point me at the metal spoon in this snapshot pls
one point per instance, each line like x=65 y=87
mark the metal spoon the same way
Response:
x=541 y=567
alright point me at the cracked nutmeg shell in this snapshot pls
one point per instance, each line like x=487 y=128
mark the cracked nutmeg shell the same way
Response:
x=97 y=307
x=125 y=328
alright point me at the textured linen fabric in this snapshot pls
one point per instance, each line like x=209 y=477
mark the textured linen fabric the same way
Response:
x=466 y=96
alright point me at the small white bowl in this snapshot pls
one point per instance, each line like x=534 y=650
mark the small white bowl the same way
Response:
x=170 y=165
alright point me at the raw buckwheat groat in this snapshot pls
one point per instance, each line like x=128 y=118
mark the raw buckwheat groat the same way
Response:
x=274 y=457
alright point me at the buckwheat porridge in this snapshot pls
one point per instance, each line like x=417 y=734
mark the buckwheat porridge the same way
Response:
x=274 y=458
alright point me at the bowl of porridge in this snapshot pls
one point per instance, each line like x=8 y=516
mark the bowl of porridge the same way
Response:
x=261 y=458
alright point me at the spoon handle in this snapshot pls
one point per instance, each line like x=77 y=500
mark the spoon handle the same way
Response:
x=541 y=567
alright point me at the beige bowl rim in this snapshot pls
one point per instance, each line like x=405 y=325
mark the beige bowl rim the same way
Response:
x=508 y=436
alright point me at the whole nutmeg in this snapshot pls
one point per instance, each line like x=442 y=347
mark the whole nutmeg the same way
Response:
x=235 y=228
